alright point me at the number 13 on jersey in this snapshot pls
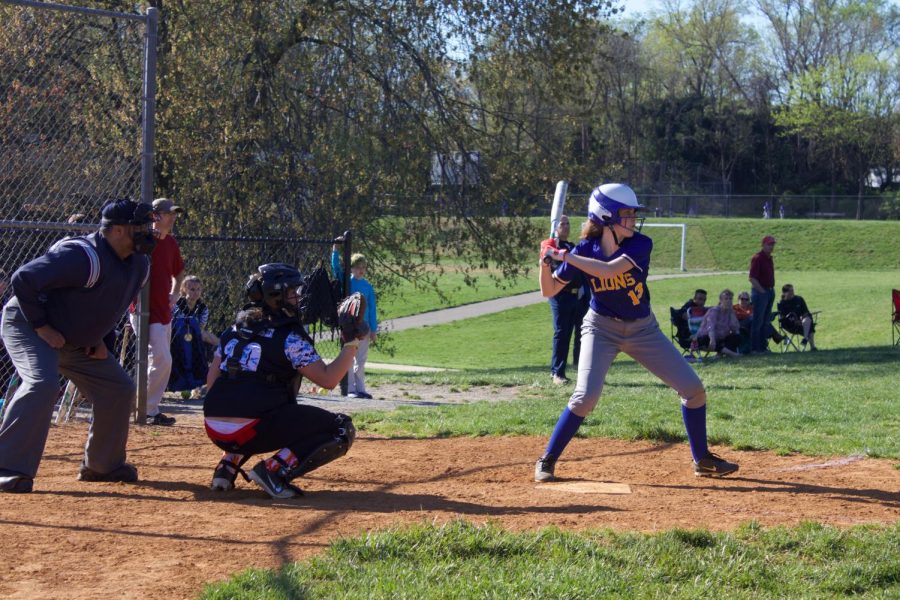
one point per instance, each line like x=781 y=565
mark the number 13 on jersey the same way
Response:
x=636 y=293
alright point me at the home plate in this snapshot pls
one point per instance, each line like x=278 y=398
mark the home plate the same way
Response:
x=587 y=487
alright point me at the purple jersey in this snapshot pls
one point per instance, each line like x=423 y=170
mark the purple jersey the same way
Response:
x=624 y=296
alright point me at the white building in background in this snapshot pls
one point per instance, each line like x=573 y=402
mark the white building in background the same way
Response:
x=457 y=168
x=878 y=177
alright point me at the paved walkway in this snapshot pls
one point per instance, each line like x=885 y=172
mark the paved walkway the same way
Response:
x=467 y=311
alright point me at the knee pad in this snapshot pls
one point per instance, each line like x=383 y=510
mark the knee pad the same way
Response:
x=343 y=436
x=345 y=428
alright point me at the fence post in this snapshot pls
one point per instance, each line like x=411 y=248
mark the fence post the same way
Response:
x=346 y=250
x=147 y=156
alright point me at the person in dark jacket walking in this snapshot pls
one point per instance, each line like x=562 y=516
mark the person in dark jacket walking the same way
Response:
x=61 y=319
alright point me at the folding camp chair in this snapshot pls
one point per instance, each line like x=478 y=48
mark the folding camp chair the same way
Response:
x=679 y=332
x=684 y=333
x=895 y=318
x=791 y=329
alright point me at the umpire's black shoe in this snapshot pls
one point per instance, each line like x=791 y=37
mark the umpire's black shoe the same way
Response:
x=125 y=472
x=160 y=419
x=544 y=468
x=15 y=483
x=713 y=466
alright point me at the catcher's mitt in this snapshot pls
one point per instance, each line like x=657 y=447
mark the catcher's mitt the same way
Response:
x=352 y=317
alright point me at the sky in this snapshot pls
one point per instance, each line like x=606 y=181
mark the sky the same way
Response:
x=632 y=7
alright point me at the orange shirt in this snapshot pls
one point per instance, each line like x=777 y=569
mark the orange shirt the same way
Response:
x=743 y=313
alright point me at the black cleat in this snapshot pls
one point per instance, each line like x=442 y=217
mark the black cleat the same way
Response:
x=125 y=472
x=160 y=419
x=713 y=466
x=16 y=484
x=272 y=482
x=224 y=476
x=544 y=468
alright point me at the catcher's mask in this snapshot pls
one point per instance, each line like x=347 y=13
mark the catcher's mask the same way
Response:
x=271 y=287
x=132 y=214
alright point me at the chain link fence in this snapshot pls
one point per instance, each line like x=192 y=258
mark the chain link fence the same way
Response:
x=868 y=207
x=72 y=108
x=76 y=120
x=760 y=206
x=223 y=266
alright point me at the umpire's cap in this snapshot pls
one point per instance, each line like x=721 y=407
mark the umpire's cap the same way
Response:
x=125 y=212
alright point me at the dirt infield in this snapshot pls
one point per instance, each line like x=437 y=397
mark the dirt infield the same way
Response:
x=168 y=534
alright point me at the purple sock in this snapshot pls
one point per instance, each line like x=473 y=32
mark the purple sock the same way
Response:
x=695 y=424
x=563 y=433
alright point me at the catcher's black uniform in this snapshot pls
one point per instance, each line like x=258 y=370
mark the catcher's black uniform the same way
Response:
x=258 y=382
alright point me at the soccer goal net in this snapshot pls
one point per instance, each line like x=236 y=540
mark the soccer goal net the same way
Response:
x=669 y=245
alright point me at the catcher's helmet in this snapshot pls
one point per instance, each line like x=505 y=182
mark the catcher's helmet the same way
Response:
x=269 y=286
x=606 y=201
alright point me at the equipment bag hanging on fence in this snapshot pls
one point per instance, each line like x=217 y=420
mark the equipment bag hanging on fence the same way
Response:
x=318 y=301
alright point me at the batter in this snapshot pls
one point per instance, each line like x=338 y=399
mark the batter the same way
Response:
x=615 y=258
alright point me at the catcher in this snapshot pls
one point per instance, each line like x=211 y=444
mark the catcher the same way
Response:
x=251 y=405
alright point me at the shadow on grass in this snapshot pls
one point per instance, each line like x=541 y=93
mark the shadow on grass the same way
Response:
x=874 y=355
x=276 y=583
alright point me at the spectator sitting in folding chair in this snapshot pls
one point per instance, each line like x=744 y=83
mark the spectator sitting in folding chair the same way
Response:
x=795 y=318
x=686 y=320
x=743 y=310
x=720 y=331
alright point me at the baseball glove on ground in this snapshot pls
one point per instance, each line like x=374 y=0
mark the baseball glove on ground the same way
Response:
x=351 y=317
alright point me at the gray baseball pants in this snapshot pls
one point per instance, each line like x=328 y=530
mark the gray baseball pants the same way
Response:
x=26 y=423
x=602 y=338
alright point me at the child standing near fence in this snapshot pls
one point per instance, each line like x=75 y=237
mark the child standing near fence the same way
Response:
x=356 y=377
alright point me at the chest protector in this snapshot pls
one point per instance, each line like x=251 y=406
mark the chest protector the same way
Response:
x=257 y=351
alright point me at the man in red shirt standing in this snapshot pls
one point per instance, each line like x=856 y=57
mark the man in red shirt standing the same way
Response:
x=762 y=278
x=166 y=275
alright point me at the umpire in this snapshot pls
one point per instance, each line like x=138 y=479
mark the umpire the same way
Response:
x=61 y=320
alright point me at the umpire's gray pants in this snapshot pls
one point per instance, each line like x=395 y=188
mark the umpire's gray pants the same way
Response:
x=602 y=338
x=26 y=422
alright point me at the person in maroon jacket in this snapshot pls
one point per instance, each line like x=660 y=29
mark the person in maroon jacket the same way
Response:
x=762 y=278
x=166 y=275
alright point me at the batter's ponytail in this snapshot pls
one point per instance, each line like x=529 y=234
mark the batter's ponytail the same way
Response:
x=590 y=230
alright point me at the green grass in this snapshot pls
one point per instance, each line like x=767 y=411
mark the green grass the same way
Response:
x=460 y=560
x=713 y=244
x=716 y=244
x=782 y=402
x=855 y=313
x=788 y=404
x=407 y=299
x=836 y=402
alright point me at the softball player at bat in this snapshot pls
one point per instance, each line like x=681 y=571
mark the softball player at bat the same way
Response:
x=615 y=258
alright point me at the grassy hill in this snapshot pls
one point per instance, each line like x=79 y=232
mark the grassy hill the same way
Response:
x=712 y=245
x=728 y=244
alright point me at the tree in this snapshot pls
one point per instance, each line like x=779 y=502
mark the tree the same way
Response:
x=840 y=87
x=705 y=59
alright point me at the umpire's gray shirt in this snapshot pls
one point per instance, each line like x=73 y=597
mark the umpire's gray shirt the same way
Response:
x=80 y=287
